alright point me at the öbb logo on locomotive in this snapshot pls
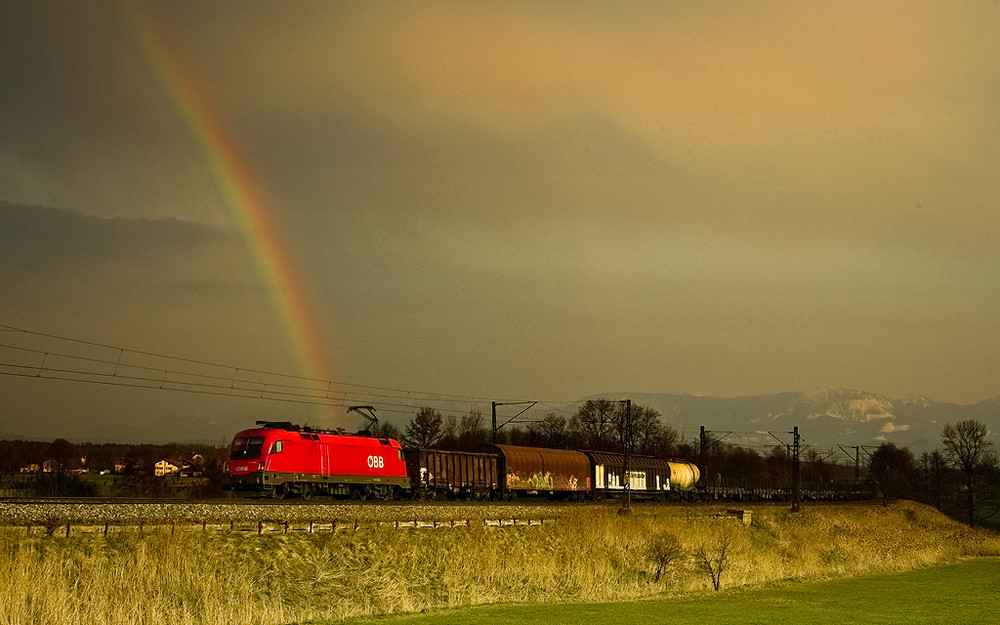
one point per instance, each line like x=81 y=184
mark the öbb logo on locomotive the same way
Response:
x=280 y=459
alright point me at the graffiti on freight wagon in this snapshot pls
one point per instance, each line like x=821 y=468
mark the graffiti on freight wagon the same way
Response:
x=543 y=481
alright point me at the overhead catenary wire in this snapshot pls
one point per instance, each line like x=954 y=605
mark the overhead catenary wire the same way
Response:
x=74 y=360
x=122 y=351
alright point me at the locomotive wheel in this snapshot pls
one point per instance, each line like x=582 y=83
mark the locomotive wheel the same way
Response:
x=307 y=492
x=282 y=491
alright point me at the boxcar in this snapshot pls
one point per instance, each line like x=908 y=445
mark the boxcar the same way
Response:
x=533 y=470
x=457 y=474
x=649 y=477
x=280 y=459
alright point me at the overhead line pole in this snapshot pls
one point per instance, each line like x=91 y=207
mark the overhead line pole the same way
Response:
x=796 y=469
x=793 y=451
x=857 y=460
x=627 y=464
x=885 y=474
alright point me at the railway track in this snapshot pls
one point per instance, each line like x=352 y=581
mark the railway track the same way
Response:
x=234 y=501
x=107 y=512
x=401 y=503
x=70 y=516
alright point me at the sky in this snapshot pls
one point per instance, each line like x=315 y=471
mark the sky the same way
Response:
x=492 y=201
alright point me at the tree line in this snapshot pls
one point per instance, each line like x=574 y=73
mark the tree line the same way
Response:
x=960 y=478
x=598 y=424
x=61 y=468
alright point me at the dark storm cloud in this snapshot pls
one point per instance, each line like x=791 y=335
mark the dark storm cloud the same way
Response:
x=50 y=237
x=158 y=282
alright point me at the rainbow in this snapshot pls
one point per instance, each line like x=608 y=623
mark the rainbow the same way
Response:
x=247 y=202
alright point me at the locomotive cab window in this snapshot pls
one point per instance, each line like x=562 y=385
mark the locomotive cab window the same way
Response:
x=247 y=448
x=276 y=447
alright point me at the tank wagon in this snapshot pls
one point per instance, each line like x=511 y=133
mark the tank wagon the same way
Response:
x=278 y=459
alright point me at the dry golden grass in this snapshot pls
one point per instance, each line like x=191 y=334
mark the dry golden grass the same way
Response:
x=591 y=554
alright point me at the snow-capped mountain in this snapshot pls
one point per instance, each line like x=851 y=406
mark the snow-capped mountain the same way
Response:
x=825 y=417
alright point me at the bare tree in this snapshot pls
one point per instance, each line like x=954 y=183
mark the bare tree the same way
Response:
x=663 y=443
x=424 y=430
x=384 y=429
x=662 y=550
x=649 y=435
x=712 y=558
x=472 y=430
x=601 y=424
x=594 y=425
x=933 y=464
x=641 y=432
x=551 y=431
x=967 y=449
x=778 y=465
x=449 y=433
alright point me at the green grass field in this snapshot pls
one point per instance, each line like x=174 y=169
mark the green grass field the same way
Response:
x=958 y=594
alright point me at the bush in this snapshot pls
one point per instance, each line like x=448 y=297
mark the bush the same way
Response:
x=663 y=549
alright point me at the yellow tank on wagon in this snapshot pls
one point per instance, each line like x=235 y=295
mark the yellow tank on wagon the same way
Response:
x=683 y=475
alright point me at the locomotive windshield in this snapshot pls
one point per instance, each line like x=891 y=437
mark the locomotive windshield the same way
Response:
x=247 y=448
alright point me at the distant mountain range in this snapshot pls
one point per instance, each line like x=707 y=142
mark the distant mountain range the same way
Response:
x=825 y=417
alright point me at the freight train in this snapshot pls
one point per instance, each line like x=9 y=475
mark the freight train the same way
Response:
x=279 y=459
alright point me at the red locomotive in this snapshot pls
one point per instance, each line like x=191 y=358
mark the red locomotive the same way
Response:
x=278 y=459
